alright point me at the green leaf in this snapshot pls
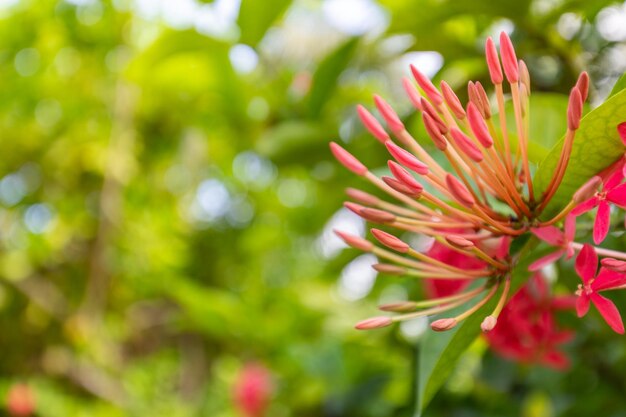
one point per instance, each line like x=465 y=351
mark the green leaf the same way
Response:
x=255 y=17
x=327 y=74
x=619 y=85
x=596 y=146
x=439 y=352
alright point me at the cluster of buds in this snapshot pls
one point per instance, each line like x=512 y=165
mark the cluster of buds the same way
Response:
x=485 y=201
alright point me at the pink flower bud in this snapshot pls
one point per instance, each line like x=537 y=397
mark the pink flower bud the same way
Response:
x=389 y=269
x=442 y=325
x=390 y=241
x=411 y=91
x=493 y=62
x=583 y=85
x=524 y=76
x=374 y=323
x=485 y=106
x=488 y=323
x=433 y=131
x=376 y=215
x=478 y=126
x=353 y=207
x=466 y=145
x=459 y=191
x=574 y=109
x=403 y=176
x=452 y=100
x=459 y=242
x=400 y=187
x=389 y=114
x=347 y=160
x=362 y=197
x=371 y=124
x=614 y=264
x=430 y=111
x=406 y=158
x=425 y=84
x=355 y=241
x=509 y=60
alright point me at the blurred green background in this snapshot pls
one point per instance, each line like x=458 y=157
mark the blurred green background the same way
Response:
x=167 y=200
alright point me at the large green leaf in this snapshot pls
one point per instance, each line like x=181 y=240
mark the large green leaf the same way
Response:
x=439 y=352
x=255 y=17
x=596 y=146
x=328 y=71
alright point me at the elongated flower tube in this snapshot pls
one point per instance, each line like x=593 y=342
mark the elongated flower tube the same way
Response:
x=474 y=201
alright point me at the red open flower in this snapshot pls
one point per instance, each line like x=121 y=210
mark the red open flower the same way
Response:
x=612 y=192
x=606 y=279
x=561 y=239
x=527 y=331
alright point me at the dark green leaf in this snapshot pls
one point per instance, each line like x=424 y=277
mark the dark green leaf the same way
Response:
x=439 y=352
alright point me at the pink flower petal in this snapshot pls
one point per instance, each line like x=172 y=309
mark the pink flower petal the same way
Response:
x=586 y=263
x=608 y=279
x=617 y=196
x=582 y=305
x=570 y=228
x=550 y=234
x=585 y=206
x=614 y=180
x=608 y=310
x=546 y=260
x=602 y=223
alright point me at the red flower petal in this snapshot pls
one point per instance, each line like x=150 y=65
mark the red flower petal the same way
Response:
x=614 y=180
x=546 y=260
x=550 y=234
x=602 y=223
x=587 y=263
x=582 y=305
x=609 y=312
x=608 y=279
x=585 y=206
x=617 y=195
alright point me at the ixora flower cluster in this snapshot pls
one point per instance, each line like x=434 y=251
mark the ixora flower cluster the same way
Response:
x=461 y=208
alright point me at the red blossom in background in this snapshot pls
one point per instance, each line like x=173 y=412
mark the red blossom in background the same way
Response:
x=436 y=288
x=606 y=279
x=20 y=400
x=253 y=390
x=527 y=331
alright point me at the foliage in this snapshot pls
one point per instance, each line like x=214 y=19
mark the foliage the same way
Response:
x=162 y=210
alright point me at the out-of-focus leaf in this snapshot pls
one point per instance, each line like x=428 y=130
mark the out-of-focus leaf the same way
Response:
x=255 y=17
x=596 y=146
x=293 y=137
x=439 y=352
x=329 y=70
